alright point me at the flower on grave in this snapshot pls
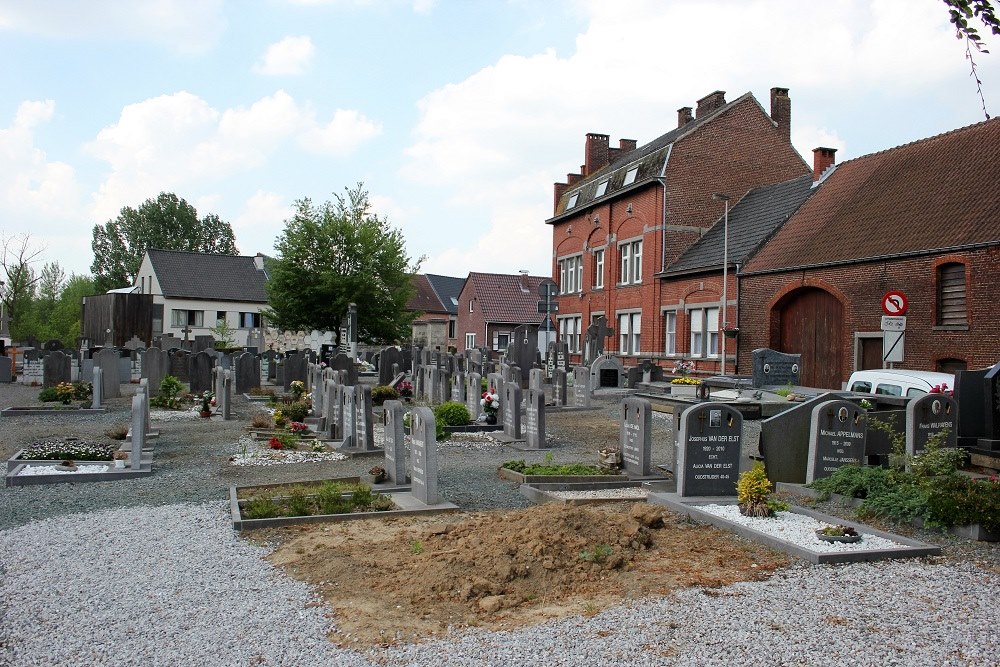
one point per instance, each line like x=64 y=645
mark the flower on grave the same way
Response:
x=275 y=443
x=297 y=427
x=490 y=403
x=683 y=367
x=378 y=472
x=65 y=392
x=298 y=387
x=685 y=380
x=405 y=389
x=318 y=446
x=941 y=389
x=279 y=418
x=207 y=402
x=866 y=404
x=322 y=364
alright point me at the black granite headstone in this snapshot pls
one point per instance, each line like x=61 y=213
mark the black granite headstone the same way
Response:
x=775 y=369
x=636 y=436
x=836 y=438
x=708 y=450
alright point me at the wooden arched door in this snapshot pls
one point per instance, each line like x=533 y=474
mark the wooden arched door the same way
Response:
x=812 y=324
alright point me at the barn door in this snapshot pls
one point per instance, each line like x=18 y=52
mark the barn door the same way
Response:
x=812 y=324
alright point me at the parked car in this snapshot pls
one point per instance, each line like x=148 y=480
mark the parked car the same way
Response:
x=899 y=382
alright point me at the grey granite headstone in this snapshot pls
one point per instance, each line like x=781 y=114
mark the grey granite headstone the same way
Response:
x=333 y=399
x=517 y=376
x=991 y=440
x=144 y=390
x=423 y=456
x=708 y=450
x=395 y=447
x=138 y=429
x=107 y=359
x=559 y=387
x=636 y=436
x=201 y=372
x=56 y=369
x=419 y=381
x=928 y=416
x=836 y=438
x=534 y=419
x=247 y=373
x=581 y=387
x=98 y=391
x=458 y=387
x=348 y=399
x=226 y=401
x=364 y=432
x=536 y=378
x=295 y=366
x=6 y=366
x=775 y=369
x=154 y=368
x=386 y=358
x=784 y=441
x=180 y=365
x=512 y=410
x=607 y=372
x=342 y=362
x=524 y=348
x=473 y=395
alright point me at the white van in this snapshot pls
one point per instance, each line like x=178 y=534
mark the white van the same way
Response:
x=898 y=382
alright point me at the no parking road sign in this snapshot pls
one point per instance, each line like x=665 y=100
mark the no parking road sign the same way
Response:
x=894 y=303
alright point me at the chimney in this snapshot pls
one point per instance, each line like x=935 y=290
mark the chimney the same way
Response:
x=781 y=111
x=626 y=145
x=573 y=179
x=258 y=261
x=557 y=192
x=595 y=153
x=684 y=116
x=823 y=159
x=710 y=102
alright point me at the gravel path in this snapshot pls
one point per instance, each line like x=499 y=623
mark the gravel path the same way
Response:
x=149 y=572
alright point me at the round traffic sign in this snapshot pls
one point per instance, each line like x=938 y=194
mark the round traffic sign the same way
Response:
x=894 y=303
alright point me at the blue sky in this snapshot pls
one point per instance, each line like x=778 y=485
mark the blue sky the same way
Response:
x=457 y=116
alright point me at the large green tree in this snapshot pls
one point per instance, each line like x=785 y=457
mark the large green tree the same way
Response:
x=166 y=223
x=335 y=254
x=19 y=279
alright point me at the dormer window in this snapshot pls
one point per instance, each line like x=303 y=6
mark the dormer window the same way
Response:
x=602 y=187
x=630 y=175
x=572 y=200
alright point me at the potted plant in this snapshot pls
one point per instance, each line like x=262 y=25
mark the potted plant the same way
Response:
x=491 y=406
x=206 y=404
x=378 y=474
x=119 y=458
x=838 y=533
x=67 y=465
x=729 y=331
x=298 y=388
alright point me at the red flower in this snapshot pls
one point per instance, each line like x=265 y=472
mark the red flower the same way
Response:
x=274 y=443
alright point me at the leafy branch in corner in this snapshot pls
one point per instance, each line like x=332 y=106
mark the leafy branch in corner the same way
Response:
x=960 y=12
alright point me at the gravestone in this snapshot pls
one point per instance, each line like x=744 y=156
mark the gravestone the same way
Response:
x=511 y=405
x=154 y=368
x=138 y=430
x=334 y=409
x=201 y=372
x=226 y=402
x=179 y=365
x=144 y=390
x=594 y=340
x=784 y=441
x=970 y=387
x=169 y=341
x=458 y=387
x=928 y=416
x=296 y=366
x=388 y=357
x=423 y=457
x=536 y=378
x=407 y=364
x=97 y=399
x=202 y=343
x=247 y=373
x=107 y=360
x=217 y=382
x=349 y=403
x=607 y=372
x=991 y=440
x=709 y=441
x=125 y=366
x=56 y=369
x=395 y=447
x=364 y=433
x=775 y=369
x=270 y=359
x=559 y=387
x=344 y=363
x=534 y=419
x=581 y=387
x=475 y=361
x=636 y=436
x=524 y=348
x=134 y=343
x=516 y=376
x=836 y=438
x=6 y=370
x=473 y=395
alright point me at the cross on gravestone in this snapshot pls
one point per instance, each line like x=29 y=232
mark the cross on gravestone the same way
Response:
x=187 y=331
x=423 y=457
x=534 y=419
x=708 y=444
x=928 y=417
x=597 y=333
x=581 y=387
x=511 y=405
x=636 y=436
x=836 y=438
x=395 y=448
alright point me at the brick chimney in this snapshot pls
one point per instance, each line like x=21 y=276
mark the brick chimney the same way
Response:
x=781 y=111
x=684 y=116
x=595 y=153
x=710 y=103
x=823 y=159
x=626 y=145
x=557 y=192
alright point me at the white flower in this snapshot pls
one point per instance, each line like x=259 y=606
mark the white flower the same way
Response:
x=496 y=404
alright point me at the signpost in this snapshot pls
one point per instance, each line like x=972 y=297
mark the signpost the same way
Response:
x=547 y=290
x=894 y=305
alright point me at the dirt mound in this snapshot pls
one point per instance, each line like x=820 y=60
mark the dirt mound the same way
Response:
x=400 y=579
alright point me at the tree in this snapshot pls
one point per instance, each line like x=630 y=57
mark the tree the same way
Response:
x=165 y=223
x=68 y=309
x=336 y=254
x=960 y=12
x=16 y=258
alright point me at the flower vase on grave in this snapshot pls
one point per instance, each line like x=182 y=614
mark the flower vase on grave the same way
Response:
x=491 y=419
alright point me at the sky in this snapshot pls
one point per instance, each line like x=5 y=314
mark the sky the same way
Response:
x=456 y=115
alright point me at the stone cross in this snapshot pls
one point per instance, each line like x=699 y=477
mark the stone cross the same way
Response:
x=596 y=335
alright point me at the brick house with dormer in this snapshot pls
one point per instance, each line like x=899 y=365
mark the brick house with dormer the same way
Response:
x=492 y=305
x=633 y=211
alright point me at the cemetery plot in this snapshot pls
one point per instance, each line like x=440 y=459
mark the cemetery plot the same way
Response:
x=585 y=493
x=72 y=460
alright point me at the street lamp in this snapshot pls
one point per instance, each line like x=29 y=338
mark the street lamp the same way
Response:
x=718 y=196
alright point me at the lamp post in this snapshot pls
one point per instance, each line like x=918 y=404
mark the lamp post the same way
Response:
x=718 y=196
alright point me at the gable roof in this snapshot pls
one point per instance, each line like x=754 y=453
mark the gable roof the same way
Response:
x=650 y=160
x=507 y=298
x=198 y=275
x=447 y=290
x=751 y=221
x=424 y=298
x=934 y=194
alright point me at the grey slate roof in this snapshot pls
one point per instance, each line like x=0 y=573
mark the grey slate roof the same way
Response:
x=196 y=275
x=448 y=289
x=651 y=160
x=752 y=221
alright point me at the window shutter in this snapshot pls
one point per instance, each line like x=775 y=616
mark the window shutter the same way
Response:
x=951 y=295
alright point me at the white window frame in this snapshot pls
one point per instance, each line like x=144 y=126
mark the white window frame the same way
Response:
x=571 y=274
x=496 y=340
x=670 y=332
x=569 y=332
x=573 y=198
x=630 y=271
x=704 y=323
x=630 y=175
x=599 y=269
x=629 y=333
x=602 y=188
x=470 y=341
x=178 y=320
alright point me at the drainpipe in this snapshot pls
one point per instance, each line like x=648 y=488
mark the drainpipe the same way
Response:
x=736 y=355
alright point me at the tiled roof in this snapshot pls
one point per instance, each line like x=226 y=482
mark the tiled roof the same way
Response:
x=932 y=194
x=197 y=275
x=447 y=289
x=506 y=298
x=650 y=159
x=751 y=221
x=424 y=299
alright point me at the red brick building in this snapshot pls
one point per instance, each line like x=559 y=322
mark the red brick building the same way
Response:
x=492 y=305
x=923 y=218
x=435 y=302
x=633 y=211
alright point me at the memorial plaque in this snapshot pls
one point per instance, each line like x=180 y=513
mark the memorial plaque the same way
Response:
x=836 y=438
x=708 y=450
x=423 y=457
x=927 y=417
x=636 y=436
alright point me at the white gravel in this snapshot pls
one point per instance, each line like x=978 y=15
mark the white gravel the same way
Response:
x=28 y=471
x=798 y=529
x=627 y=493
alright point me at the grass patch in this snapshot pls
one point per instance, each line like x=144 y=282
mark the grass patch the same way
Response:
x=310 y=499
x=548 y=469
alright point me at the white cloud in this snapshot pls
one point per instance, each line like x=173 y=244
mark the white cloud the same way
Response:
x=347 y=130
x=290 y=56
x=189 y=27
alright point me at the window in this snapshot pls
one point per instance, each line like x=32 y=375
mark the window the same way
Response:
x=631 y=263
x=142 y=289
x=571 y=274
x=501 y=340
x=704 y=332
x=187 y=318
x=572 y=200
x=630 y=176
x=602 y=187
x=451 y=328
x=249 y=320
x=569 y=332
x=220 y=317
x=629 y=325
x=471 y=304
x=670 y=329
x=470 y=341
x=157 y=319
x=599 y=269
x=951 y=295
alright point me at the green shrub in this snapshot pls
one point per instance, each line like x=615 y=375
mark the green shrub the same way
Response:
x=382 y=393
x=170 y=387
x=550 y=469
x=48 y=395
x=452 y=413
x=903 y=502
x=856 y=481
x=83 y=390
x=261 y=507
x=959 y=500
x=296 y=411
